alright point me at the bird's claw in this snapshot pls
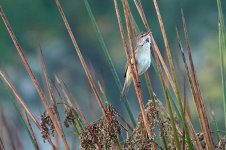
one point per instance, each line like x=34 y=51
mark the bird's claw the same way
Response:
x=138 y=85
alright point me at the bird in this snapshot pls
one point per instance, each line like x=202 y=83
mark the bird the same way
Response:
x=143 y=60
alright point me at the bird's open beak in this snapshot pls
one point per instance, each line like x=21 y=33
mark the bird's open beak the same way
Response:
x=147 y=33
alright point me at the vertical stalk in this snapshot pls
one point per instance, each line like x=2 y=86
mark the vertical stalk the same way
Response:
x=34 y=80
x=136 y=84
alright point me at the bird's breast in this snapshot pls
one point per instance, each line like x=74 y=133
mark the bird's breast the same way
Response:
x=143 y=62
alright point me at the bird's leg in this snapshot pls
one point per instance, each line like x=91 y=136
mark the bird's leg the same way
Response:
x=138 y=85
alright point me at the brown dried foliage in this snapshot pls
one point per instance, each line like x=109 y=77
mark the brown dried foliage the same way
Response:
x=106 y=132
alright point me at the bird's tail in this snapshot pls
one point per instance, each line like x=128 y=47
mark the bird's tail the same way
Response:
x=125 y=89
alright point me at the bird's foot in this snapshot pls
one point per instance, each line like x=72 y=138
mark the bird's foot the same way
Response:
x=138 y=85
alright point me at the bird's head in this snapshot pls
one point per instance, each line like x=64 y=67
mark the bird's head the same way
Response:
x=144 y=38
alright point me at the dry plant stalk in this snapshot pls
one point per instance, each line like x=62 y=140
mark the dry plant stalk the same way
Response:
x=127 y=18
x=32 y=133
x=167 y=97
x=156 y=51
x=131 y=23
x=49 y=88
x=200 y=105
x=68 y=95
x=19 y=99
x=126 y=15
x=136 y=84
x=172 y=71
x=169 y=56
x=197 y=144
x=34 y=80
x=81 y=59
x=64 y=91
x=141 y=12
x=83 y=62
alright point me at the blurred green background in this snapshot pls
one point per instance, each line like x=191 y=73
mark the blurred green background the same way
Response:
x=38 y=22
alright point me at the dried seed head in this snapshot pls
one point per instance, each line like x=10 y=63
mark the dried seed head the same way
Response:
x=222 y=144
x=140 y=134
x=158 y=119
x=201 y=140
x=47 y=127
x=106 y=132
x=70 y=117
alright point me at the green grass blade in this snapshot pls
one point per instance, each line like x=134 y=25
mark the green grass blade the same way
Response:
x=216 y=127
x=109 y=61
x=222 y=47
x=172 y=100
x=153 y=64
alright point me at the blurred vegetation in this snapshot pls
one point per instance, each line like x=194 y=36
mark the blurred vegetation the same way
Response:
x=37 y=23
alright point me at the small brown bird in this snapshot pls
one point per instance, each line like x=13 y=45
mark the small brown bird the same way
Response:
x=143 y=60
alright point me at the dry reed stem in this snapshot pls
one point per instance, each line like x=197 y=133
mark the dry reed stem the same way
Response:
x=82 y=60
x=141 y=12
x=145 y=119
x=150 y=90
x=48 y=86
x=169 y=57
x=196 y=142
x=204 y=119
x=155 y=47
x=132 y=70
x=172 y=70
x=77 y=106
x=34 y=80
x=21 y=102
x=32 y=133
x=126 y=15
x=60 y=96
x=79 y=111
x=131 y=23
x=64 y=91
x=191 y=88
x=167 y=98
x=185 y=110
x=149 y=86
x=19 y=99
x=68 y=97
x=181 y=75
x=85 y=120
x=153 y=43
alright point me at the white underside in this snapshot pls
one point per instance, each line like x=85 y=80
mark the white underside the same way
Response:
x=143 y=60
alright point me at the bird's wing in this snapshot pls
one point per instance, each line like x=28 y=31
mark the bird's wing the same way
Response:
x=126 y=68
x=127 y=65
